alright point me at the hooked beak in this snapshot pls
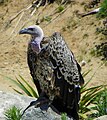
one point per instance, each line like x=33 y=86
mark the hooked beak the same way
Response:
x=24 y=31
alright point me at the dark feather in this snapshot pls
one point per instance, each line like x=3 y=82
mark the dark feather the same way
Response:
x=56 y=72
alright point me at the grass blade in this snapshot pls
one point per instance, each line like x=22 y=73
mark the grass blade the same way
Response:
x=32 y=91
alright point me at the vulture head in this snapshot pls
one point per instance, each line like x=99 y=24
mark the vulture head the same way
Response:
x=37 y=36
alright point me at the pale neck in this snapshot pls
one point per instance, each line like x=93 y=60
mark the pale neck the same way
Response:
x=36 y=44
x=38 y=39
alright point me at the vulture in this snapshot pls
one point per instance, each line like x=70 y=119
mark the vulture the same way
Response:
x=55 y=72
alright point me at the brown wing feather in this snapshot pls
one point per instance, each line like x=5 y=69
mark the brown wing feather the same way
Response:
x=31 y=59
x=56 y=72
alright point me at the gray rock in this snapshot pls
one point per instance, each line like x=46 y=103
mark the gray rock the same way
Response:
x=37 y=114
x=102 y=118
x=7 y=100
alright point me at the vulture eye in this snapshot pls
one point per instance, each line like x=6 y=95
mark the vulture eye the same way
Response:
x=31 y=29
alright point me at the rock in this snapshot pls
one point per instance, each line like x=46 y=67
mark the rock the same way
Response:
x=7 y=100
x=37 y=114
x=83 y=63
x=102 y=118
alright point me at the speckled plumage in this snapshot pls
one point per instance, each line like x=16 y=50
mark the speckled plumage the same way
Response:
x=57 y=72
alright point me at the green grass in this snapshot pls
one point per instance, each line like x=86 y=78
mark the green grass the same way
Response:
x=88 y=98
x=24 y=86
x=101 y=103
x=13 y=113
x=60 y=8
x=47 y=18
x=63 y=116
x=103 y=11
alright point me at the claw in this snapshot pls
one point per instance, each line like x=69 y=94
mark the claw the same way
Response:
x=43 y=103
x=31 y=104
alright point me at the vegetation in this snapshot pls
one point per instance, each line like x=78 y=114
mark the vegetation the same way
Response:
x=88 y=102
x=60 y=8
x=92 y=98
x=64 y=116
x=13 y=113
x=24 y=86
x=47 y=18
x=101 y=50
x=101 y=103
x=103 y=11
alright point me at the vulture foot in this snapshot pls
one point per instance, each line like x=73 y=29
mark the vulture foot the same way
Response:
x=41 y=102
